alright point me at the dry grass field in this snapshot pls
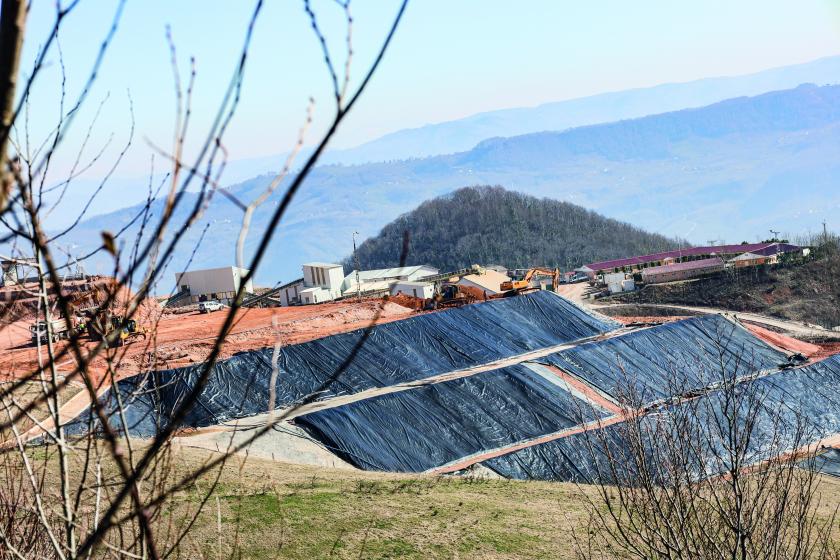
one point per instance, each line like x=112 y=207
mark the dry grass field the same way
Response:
x=277 y=510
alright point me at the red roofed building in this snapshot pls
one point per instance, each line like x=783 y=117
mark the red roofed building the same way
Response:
x=643 y=262
x=682 y=270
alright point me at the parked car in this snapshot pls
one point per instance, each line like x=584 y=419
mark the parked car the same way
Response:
x=209 y=306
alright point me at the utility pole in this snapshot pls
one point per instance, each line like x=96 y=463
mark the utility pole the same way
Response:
x=825 y=233
x=775 y=235
x=356 y=263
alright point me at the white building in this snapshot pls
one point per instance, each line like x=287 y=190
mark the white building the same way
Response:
x=289 y=294
x=615 y=281
x=383 y=279
x=220 y=284
x=321 y=282
x=489 y=281
x=423 y=290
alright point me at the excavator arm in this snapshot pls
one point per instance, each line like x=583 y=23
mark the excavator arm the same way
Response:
x=520 y=285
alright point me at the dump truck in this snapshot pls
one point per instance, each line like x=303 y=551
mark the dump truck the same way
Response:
x=58 y=330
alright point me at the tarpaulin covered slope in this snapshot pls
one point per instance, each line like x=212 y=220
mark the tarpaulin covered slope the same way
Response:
x=809 y=392
x=827 y=462
x=655 y=362
x=429 y=426
x=396 y=352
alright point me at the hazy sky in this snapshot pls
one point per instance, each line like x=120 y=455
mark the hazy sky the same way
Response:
x=451 y=58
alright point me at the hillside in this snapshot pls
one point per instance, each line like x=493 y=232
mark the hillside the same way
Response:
x=491 y=225
x=728 y=171
x=809 y=293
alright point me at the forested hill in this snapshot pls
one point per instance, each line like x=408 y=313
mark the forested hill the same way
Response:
x=491 y=225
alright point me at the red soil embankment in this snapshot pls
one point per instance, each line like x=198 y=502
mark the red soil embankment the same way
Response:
x=784 y=342
x=182 y=339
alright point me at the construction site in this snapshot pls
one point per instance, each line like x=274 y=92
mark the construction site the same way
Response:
x=503 y=384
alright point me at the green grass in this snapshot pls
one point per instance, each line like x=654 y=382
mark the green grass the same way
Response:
x=273 y=510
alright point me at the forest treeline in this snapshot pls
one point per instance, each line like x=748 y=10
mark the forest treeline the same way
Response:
x=491 y=225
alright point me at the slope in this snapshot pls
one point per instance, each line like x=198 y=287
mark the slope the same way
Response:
x=809 y=292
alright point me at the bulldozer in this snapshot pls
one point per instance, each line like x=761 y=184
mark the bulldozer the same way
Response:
x=450 y=295
x=515 y=287
x=98 y=324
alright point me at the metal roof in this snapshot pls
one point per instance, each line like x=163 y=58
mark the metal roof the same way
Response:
x=383 y=273
x=749 y=257
x=312 y=290
x=490 y=280
x=693 y=252
x=289 y=284
x=323 y=265
x=776 y=248
x=688 y=265
x=369 y=287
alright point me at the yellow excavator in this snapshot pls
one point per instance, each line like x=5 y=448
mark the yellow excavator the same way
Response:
x=513 y=287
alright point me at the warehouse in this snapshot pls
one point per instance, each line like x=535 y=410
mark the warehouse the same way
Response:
x=220 y=284
x=383 y=279
x=682 y=271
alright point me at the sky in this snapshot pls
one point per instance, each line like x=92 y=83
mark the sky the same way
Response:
x=449 y=59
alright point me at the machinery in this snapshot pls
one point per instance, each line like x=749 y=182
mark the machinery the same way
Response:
x=58 y=330
x=62 y=328
x=99 y=324
x=513 y=287
x=450 y=295
x=94 y=321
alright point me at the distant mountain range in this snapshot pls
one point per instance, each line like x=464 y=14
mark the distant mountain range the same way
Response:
x=729 y=171
x=490 y=225
x=463 y=134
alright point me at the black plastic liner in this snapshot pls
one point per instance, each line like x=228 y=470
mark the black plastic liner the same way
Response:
x=677 y=357
x=787 y=397
x=827 y=462
x=396 y=352
x=426 y=427
x=578 y=458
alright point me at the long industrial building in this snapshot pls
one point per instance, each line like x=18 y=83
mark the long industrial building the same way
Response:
x=641 y=262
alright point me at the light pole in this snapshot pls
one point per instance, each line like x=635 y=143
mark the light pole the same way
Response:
x=356 y=263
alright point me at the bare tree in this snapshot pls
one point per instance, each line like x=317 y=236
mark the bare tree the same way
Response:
x=99 y=491
x=714 y=472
